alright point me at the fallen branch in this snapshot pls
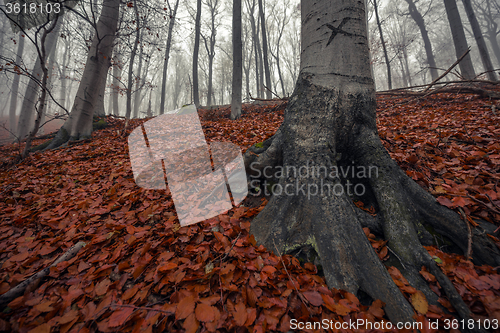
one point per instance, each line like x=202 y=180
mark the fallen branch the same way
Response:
x=21 y=287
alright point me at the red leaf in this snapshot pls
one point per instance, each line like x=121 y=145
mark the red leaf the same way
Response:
x=205 y=312
x=119 y=317
x=313 y=297
x=184 y=308
x=240 y=316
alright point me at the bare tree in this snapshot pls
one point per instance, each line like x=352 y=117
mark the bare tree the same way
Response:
x=481 y=45
x=196 y=93
x=213 y=8
x=384 y=48
x=15 y=87
x=172 y=14
x=419 y=20
x=459 y=40
x=264 y=49
x=237 y=62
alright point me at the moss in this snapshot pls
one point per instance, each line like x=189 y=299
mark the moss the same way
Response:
x=100 y=124
x=259 y=145
x=41 y=146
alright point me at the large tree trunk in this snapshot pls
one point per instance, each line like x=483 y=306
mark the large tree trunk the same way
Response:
x=384 y=48
x=330 y=124
x=15 y=88
x=26 y=117
x=79 y=124
x=459 y=40
x=237 y=62
x=196 y=93
x=171 y=24
x=481 y=45
x=264 y=50
x=419 y=20
x=63 y=92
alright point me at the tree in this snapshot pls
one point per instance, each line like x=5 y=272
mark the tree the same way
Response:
x=172 y=13
x=15 y=87
x=25 y=123
x=419 y=20
x=264 y=50
x=130 y=81
x=79 y=123
x=213 y=6
x=237 y=62
x=387 y=62
x=481 y=45
x=329 y=125
x=197 y=24
x=489 y=11
x=459 y=40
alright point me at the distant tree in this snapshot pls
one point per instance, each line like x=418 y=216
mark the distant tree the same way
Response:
x=459 y=40
x=490 y=13
x=15 y=87
x=197 y=24
x=264 y=50
x=237 y=62
x=172 y=14
x=130 y=80
x=419 y=20
x=213 y=8
x=280 y=21
x=481 y=45
x=384 y=48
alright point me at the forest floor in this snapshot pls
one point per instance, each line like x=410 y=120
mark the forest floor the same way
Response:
x=142 y=272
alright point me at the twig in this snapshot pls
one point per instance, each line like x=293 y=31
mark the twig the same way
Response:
x=401 y=261
x=469 y=242
x=447 y=71
x=20 y=288
x=301 y=296
x=482 y=203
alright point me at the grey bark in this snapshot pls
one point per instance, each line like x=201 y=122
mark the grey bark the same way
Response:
x=15 y=88
x=264 y=50
x=140 y=80
x=117 y=72
x=481 y=45
x=386 y=57
x=172 y=12
x=459 y=40
x=237 y=62
x=196 y=93
x=79 y=124
x=330 y=121
x=419 y=20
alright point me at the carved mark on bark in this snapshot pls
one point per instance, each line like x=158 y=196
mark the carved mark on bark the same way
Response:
x=338 y=30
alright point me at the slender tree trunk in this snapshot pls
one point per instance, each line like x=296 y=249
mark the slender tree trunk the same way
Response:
x=137 y=94
x=27 y=114
x=15 y=88
x=237 y=62
x=329 y=125
x=407 y=67
x=481 y=45
x=419 y=20
x=459 y=40
x=171 y=24
x=196 y=93
x=117 y=72
x=387 y=62
x=495 y=47
x=264 y=50
x=255 y=44
x=63 y=93
x=79 y=124
x=130 y=80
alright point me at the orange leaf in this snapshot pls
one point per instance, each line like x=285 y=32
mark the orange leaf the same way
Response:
x=44 y=307
x=313 y=297
x=68 y=317
x=184 y=308
x=205 y=312
x=191 y=324
x=240 y=316
x=102 y=287
x=21 y=256
x=419 y=302
x=129 y=293
x=119 y=317
x=44 y=328
x=376 y=309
